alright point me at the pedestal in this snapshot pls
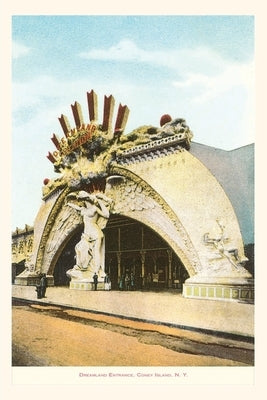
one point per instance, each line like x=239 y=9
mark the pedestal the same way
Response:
x=33 y=280
x=221 y=289
x=81 y=285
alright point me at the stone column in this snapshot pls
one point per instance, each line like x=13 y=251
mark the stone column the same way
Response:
x=143 y=258
x=169 y=252
x=119 y=264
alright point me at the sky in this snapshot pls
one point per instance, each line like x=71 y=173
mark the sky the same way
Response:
x=200 y=68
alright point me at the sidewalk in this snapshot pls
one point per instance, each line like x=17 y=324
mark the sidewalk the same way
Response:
x=168 y=308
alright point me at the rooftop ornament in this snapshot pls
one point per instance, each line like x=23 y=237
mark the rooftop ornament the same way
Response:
x=84 y=155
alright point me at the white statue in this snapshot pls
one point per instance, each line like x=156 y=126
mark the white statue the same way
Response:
x=90 y=251
x=219 y=244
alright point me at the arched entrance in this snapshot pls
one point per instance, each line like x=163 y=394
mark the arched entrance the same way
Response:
x=137 y=258
x=134 y=250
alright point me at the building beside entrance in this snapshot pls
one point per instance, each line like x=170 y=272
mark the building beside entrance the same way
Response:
x=22 y=241
x=150 y=209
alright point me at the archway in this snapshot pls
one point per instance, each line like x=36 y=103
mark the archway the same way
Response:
x=135 y=250
x=132 y=249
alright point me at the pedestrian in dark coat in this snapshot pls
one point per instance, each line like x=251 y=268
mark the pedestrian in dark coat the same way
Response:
x=38 y=290
x=95 y=278
x=43 y=285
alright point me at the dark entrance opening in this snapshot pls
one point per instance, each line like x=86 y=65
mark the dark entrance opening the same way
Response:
x=137 y=254
x=66 y=260
x=136 y=258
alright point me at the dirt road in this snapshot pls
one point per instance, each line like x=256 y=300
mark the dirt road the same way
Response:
x=52 y=336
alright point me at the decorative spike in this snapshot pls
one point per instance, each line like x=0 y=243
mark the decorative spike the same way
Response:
x=77 y=114
x=92 y=105
x=108 y=112
x=122 y=117
x=51 y=158
x=64 y=124
x=56 y=141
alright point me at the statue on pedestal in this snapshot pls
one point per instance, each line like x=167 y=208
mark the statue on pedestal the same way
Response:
x=90 y=250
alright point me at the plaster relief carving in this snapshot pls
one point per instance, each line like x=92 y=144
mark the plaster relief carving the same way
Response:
x=131 y=197
x=135 y=199
x=29 y=267
x=65 y=222
x=90 y=250
x=224 y=257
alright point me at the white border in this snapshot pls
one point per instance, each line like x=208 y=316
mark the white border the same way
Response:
x=204 y=382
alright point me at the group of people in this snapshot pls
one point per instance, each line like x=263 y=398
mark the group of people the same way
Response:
x=107 y=281
x=127 y=282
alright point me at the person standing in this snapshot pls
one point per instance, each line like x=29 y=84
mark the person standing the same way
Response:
x=127 y=281
x=95 y=278
x=122 y=282
x=38 y=290
x=107 y=282
x=132 y=281
x=43 y=285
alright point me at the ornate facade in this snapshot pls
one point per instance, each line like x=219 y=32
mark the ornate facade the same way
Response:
x=168 y=221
